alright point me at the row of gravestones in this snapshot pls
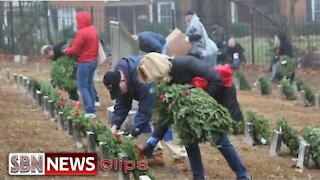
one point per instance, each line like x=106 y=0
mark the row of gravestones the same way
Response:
x=277 y=137
x=280 y=93
x=276 y=142
x=63 y=123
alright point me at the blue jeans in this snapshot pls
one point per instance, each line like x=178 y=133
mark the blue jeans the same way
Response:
x=227 y=150
x=85 y=73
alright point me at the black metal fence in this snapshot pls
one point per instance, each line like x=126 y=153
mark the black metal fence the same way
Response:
x=26 y=26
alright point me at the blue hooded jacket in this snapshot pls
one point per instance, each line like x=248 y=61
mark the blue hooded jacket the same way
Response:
x=151 y=42
x=143 y=93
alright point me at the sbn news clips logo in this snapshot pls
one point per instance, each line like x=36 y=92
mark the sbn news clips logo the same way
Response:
x=66 y=164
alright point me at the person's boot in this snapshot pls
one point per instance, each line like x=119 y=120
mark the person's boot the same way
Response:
x=156 y=160
x=180 y=165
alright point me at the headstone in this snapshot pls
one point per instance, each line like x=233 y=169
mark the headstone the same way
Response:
x=51 y=109
x=17 y=58
x=275 y=143
x=122 y=43
x=76 y=136
x=45 y=105
x=25 y=85
x=15 y=80
x=60 y=122
x=39 y=98
x=102 y=153
x=123 y=175
x=20 y=81
x=70 y=128
x=317 y=101
x=303 y=155
x=24 y=60
x=280 y=91
x=91 y=141
x=144 y=177
x=303 y=98
x=29 y=90
x=34 y=95
x=38 y=68
x=249 y=134
x=127 y=123
x=237 y=83
x=258 y=86
x=8 y=75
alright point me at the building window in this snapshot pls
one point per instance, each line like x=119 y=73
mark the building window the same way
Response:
x=165 y=12
x=315 y=10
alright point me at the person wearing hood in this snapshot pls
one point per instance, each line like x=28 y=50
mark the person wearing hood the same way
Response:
x=54 y=53
x=85 y=47
x=151 y=42
x=202 y=46
x=217 y=82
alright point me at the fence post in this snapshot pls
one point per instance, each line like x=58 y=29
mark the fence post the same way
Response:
x=91 y=12
x=252 y=33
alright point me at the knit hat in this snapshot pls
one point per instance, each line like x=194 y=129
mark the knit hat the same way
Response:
x=46 y=48
x=112 y=80
x=154 y=67
x=190 y=12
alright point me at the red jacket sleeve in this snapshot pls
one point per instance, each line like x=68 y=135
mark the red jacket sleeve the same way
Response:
x=76 y=45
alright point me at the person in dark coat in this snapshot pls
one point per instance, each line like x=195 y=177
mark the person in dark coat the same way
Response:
x=282 y=48
x=55 y=52
x=124 y=87
x=151 y=42
x=161 y=69
x=235 y=54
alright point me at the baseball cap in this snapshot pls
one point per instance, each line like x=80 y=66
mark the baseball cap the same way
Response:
x=111 y=80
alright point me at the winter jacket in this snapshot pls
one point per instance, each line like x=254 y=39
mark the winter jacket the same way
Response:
x=184 y=69
x=151 y=42
x=85 y=45
x=58 y=50
x=236 y=56
x=218 y=35
x=202 y=45
x=136 y=91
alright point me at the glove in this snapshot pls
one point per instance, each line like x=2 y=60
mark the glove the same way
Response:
x=135 y=132
x=148 y=150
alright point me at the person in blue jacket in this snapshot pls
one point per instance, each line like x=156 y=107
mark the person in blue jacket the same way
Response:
x=151 y=42
x=124 y=87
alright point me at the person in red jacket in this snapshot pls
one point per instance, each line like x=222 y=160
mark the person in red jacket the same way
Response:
x=85 y=47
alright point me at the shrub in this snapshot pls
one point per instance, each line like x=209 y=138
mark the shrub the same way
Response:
x=244 y=84
x=290 y=135
x=266 y=86
x=261 y=127
x=288 y=90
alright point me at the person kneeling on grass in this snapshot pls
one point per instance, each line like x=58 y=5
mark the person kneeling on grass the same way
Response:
x=183 y=70
x=55 y=52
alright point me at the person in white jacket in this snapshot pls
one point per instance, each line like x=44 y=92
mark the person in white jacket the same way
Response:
x=202 y=46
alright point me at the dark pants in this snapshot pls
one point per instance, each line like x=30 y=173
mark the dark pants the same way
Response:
x=226 y=149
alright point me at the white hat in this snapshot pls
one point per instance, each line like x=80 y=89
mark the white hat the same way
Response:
x=45 y=48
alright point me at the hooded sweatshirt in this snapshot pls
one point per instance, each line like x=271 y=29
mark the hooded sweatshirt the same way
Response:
x=85 y=45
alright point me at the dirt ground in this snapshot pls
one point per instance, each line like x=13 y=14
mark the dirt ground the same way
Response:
x=24 y=128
